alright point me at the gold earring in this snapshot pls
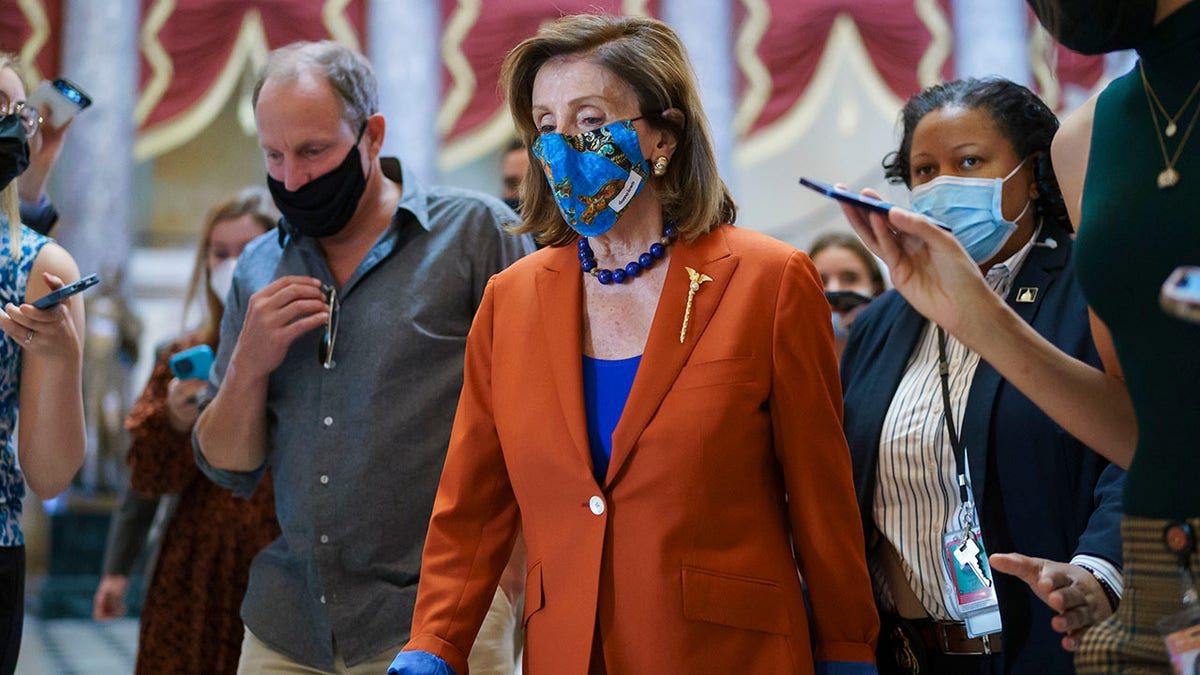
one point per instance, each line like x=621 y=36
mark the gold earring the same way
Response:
x=660 y=166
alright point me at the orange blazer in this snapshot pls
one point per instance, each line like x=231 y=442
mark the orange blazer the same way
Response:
x=730 y=478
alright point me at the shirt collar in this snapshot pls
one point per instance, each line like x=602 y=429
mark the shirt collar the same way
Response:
x=413 y=197
x=1013 y=264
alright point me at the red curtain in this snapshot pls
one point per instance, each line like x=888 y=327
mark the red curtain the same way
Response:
x=500 y=26
x=894 y=35
x=18 y=27
x=199 y=36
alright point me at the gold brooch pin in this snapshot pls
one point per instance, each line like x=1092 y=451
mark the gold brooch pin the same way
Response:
x=696 y=279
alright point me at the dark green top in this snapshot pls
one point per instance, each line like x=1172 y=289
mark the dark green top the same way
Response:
x=1132 y=236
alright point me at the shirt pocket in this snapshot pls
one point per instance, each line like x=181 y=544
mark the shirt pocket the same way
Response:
x=736 y=601
x=734 y=370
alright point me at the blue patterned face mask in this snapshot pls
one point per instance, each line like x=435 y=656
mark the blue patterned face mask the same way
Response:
x=971 y=208
x=594 y=175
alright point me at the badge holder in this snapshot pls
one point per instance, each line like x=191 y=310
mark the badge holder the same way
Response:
x=970 y=588
x=1181 y=631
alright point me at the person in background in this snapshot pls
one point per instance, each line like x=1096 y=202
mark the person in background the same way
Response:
x=211 y=536
x=975 y=154
x=851 y=277
x=340 y=362
x=666 y=433
x=41 y=363
x=45 y=145
x=514 y=164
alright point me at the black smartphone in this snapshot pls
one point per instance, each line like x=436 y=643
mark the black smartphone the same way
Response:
x=54 y=297
x=844 y=301
x=869 y=203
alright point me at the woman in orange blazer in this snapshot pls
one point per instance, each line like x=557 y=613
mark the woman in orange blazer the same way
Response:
x=666 y=432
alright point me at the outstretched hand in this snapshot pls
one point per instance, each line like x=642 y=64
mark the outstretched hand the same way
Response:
x=926 y=263
x=1070 y=590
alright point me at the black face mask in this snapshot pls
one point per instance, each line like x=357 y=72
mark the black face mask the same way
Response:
x=1096 y=26
x=323 y=206
x=14 y=149
x=513 y=203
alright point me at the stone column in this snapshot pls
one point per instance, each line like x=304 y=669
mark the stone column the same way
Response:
x=94 y=175
x=403 y=44
x=991 y=37
x=706 y=29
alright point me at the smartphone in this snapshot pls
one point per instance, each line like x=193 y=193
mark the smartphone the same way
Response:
x=192 y=364
x=869 y=203
x=54 y=297
x=844 y=301
x=1180 y=294
x=58 y=100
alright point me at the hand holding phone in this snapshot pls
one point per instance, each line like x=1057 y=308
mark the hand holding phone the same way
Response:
x=54 y=297
x=1180 y=294
x=58 y=100
x=192 y=364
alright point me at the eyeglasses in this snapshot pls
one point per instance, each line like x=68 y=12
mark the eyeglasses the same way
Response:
x=325 y=351
x=31 y=118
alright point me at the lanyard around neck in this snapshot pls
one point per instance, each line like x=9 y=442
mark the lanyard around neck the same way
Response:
x=960 y=461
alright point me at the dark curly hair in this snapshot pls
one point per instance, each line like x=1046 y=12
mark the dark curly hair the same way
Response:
x=1019 y=114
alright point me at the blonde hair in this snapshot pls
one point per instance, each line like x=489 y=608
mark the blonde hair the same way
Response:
x=9 y=201
x=253 y=201
x=649 y=56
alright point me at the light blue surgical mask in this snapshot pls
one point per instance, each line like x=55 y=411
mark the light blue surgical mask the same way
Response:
x=972 y=209
x=594 y=175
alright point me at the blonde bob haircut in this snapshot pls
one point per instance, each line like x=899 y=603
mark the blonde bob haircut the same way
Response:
x=648 y=55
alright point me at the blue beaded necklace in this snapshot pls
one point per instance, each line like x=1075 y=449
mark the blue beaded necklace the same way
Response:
x=658 y=250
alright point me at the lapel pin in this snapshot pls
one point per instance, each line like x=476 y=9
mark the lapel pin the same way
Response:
x=1027 y=294
x=696 y=279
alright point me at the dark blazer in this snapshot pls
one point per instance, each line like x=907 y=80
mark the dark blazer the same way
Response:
x=1040 y=492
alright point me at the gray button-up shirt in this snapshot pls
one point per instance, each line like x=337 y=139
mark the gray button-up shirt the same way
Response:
x=357 y=450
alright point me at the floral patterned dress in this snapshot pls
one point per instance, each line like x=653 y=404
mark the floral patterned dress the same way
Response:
x=14 y=275
x=191 y=617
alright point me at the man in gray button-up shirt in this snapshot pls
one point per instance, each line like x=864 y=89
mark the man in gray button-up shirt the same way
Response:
x=349 y=400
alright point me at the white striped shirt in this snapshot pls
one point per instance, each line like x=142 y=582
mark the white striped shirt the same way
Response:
x=916 y=488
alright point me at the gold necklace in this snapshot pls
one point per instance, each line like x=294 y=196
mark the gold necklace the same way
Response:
x=1171 y=120
x=1168 y=177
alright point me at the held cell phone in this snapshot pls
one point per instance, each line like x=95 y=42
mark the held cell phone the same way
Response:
x=58 y=100
x=192 y=364
x=54 y=297
x=1180 y=294
x=844 y=301
x=869 y=203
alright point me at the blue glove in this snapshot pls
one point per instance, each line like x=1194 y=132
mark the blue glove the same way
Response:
x=843 y=668
x=419 y=663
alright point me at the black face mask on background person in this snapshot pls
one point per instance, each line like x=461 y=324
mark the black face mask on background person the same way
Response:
x=14 y=149
x=513 y=203
x=1096 y=26
x=323 y=206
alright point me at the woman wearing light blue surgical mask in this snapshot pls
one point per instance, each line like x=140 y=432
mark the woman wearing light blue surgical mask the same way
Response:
x=976 y=155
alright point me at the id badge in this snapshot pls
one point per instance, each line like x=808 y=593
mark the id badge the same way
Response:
x=1181 y=633
x=970 y=588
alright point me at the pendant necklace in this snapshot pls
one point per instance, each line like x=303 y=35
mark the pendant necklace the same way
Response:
x=1168 y=177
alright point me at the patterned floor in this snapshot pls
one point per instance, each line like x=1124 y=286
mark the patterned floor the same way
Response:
x=77 y=647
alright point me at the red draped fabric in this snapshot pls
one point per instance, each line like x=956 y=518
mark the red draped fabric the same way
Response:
x=484 y=39
x=36 y=28
x=896 y=38
x=198 y=38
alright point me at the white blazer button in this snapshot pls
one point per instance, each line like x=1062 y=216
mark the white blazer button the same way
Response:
x=596 y=504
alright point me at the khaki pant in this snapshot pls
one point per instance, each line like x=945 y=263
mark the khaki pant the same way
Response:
x=259 y=659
